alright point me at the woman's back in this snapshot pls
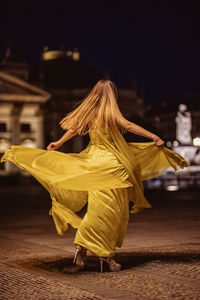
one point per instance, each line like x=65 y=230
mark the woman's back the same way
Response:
x=95 y=139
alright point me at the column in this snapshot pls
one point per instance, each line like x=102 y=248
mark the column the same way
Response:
x=15 y=131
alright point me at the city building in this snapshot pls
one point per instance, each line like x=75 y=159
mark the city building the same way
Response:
x=21 y=114
x=34 y=98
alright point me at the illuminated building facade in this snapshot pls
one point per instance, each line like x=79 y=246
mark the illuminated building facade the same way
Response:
x=34 y=99
x=21 y=114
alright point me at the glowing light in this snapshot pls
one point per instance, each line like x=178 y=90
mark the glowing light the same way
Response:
x=69 y=53
x=4 y=145
x=28 y=143
x=175 y=143
x=45 y=48
x=169 y=144
x=172 y=188
x=76 y=55
x=196 y=141
x=53 y=54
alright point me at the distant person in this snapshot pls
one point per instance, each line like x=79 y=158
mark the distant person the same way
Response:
x=107 y=174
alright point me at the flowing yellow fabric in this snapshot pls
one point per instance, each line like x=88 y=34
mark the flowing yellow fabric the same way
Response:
x=107 y=175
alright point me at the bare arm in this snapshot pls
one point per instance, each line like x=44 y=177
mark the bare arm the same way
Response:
x=65 y=137
x=134 y=128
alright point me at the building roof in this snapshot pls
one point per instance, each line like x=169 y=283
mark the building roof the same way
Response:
x=58 y=70
x=14 y=89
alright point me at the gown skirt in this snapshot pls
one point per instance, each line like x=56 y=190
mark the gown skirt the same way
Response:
x=107 y=175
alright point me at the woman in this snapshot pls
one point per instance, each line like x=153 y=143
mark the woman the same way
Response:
x=107 y=174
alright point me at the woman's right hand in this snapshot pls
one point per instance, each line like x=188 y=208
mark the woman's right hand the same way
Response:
x=160 y=143
x=54 y=146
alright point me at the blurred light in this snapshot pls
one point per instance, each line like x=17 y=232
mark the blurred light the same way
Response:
x=172 y=188
x=45 y=48
x=169 y=144
x=28 y=143
x=69 y=53
x=4 y=145
x=175 y=143
x=48 y=55
x=196 y=141
x=76 y=55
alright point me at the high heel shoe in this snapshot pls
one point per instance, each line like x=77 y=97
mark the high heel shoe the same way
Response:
x=80 y=257
x=113 y=266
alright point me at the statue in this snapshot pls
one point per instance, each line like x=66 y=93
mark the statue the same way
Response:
x=183 y=125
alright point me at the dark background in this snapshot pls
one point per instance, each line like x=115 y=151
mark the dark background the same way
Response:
x=155 y=42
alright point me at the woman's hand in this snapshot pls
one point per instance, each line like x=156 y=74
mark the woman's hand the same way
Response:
x=160 y=143
x=54 y=145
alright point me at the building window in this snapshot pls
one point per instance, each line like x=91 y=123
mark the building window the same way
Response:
x=25 y=127
x=2 y=127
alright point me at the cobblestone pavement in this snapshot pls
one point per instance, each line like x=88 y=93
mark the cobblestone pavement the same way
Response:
x=160 y=256
x=18 y=284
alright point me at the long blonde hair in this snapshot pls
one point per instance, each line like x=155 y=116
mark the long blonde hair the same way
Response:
x=99 y=108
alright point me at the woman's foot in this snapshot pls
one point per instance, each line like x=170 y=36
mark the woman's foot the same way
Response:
x=80 y=257
x=113 y=266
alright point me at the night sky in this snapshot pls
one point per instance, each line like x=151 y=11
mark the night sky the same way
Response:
x=157 y=42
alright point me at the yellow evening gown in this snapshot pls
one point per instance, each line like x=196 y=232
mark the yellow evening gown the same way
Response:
x=106 y=175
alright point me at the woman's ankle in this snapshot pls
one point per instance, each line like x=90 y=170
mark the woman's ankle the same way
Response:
x=78 y=246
